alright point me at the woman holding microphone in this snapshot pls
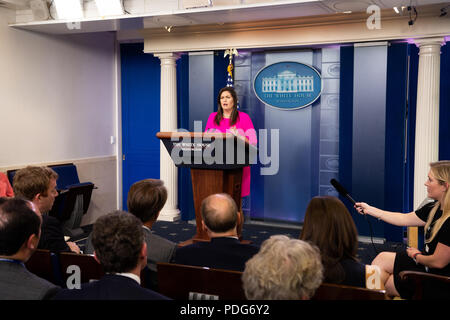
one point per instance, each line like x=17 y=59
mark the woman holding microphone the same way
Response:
x=435 y=218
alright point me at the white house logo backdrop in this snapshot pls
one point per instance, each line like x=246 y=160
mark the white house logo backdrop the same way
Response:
x=288 y=85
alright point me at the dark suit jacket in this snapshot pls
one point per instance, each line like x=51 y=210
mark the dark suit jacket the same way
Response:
x=221 y=253
x=110 y=287
x=17 y=283
x=158 y=249
x=52 y=236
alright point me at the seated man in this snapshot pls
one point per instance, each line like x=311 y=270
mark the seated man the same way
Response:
x=38 y=185
x=283 y=269
x=224 y=251
x=120 y=248
x=145 y=200
x=19 y=236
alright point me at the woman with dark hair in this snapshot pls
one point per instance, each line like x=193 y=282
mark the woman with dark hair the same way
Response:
x=229 y=119
x=329 y=226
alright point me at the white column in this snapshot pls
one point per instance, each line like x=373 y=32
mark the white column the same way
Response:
x=168 y=171
x=427 y=115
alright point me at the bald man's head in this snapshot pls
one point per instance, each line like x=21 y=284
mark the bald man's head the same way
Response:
x=219 y=212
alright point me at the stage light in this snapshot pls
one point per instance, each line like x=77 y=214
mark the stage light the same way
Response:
x=109 y=7
x=69 y=9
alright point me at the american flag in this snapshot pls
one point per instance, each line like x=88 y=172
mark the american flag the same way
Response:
x=230 y=73
x=230 y=67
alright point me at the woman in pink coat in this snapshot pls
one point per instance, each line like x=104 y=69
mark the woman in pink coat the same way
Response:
x=229 y=119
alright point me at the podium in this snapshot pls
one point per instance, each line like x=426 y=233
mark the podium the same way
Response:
x=216 y=161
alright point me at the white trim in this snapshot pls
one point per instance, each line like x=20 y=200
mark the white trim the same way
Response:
x=371 y=44
x=80 y=160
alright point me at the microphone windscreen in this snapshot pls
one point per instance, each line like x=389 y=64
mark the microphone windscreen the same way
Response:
x=341 y=190
x=338 y=187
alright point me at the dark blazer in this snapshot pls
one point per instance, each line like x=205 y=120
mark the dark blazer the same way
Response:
x=52 y=236
x=158 y=249
x=110 y=287
x=220 y=253
x=17 y=283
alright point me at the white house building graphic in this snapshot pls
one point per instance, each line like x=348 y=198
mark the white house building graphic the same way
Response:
x=287 y=81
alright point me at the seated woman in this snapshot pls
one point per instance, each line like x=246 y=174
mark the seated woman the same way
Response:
x=329 y=226
x=435 y=258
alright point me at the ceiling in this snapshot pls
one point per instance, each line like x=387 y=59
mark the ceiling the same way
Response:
x=249 y=10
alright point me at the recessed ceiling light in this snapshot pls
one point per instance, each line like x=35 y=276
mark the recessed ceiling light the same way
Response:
x=109 y=7
x=69 y=9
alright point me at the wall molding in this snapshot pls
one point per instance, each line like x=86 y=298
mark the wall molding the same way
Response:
x=80 y=160
x=305 y=31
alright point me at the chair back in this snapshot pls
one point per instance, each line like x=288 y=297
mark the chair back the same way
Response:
x=427 y=285
x=45 y=264
x=199 y=283
x=73 y=199
x=328 y=291
x=89 y=268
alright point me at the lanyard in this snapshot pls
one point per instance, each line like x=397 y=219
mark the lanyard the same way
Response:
x=13 y=261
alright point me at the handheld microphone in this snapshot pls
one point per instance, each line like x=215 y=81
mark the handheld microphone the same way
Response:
x=342 y=190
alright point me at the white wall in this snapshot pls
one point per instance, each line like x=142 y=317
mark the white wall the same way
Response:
x=57 y=95
x=58 y=104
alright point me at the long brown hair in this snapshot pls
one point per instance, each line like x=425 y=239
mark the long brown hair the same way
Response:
x=234 y=114
x=329 y=225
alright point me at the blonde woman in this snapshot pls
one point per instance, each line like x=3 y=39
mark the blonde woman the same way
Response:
x=434 y=217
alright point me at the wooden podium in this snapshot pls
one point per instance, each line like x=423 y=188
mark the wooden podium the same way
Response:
x=216 y=161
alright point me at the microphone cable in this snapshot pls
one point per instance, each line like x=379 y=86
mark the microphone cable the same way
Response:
x=343 y=192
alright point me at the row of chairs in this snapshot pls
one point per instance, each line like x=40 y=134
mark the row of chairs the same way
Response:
x=56 y=267
x=194 y=283
x=182 y=282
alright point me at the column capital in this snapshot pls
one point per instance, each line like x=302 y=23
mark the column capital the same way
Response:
x=430 y=41
x=168 y=55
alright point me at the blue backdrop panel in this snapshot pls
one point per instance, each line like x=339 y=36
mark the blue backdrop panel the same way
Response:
x=201 y=88
x=140 y=76
x=369 y=126
x=413 y=53
x=395 y=139
x=444 y=111
x=285 y=195
x=185 y=197
x=346 y=122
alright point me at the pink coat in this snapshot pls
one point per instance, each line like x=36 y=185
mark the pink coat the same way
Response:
x=245 y=126
x=5 y=187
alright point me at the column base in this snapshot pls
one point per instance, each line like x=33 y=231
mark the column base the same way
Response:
x=171 y=215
